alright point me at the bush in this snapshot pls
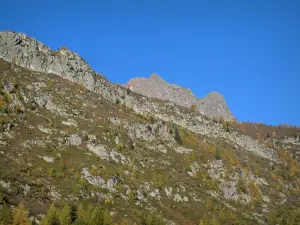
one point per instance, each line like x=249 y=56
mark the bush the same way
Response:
x=218 y=154
x=63 y=48
x=150 y=219
x=193 y=108
x=55 y=53
x=241 y=186
x=149 y=128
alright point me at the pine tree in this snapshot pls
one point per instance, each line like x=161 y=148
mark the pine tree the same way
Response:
x=21 y=216
x=73 y=209
x=177 y=136
x=100 y=217
x=84 y=215
x=65 y=215
x=52 y=217
x=218 y=154
x=202 y=222
x=80 y=221
x=5 y=215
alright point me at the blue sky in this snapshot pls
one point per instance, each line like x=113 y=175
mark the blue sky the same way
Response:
x=248 y=50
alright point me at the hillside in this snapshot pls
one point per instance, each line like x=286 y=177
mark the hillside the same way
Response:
x=70 y=135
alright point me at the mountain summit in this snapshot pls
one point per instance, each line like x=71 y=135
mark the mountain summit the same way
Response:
x=213 y=105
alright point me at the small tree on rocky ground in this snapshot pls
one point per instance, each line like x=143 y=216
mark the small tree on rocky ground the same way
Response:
x=177 y=136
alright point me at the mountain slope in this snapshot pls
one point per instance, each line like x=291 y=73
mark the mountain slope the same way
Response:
x=97 y=142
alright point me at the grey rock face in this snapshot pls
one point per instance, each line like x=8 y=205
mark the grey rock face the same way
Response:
x=29 y=53
x=213 y=105
x=74 y=140
x=111 y=183
x=94 y=180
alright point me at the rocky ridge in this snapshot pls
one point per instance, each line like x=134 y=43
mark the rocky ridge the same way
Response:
x=213 y=105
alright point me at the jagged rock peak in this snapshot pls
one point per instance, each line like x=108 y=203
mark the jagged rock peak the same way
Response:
x=155 y=76
x=213 y=105
x=215 y=96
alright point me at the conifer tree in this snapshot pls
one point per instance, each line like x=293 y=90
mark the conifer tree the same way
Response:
x=100 y=217
x=21 y=216
x=218 y=154
x=65 y=215
x=202 y=222
x=177 y=136
x=80 y=221
x=52 y=217
x=5 y=215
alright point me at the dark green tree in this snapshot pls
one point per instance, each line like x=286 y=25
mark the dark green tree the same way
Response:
x=149 y=219
x=218 y=154
x=65 y=215
x=177 y=136
x=5 y=215
x=52 y=217
x=100 y=216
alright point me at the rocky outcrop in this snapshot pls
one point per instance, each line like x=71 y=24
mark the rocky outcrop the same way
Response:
x=32 y=54
x=213 y=105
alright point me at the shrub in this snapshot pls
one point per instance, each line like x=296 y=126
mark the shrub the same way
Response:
x=150 y=219
x=106 y=127
x=131 y=144
x=63 y=48
x=193 y=108
x=218 y=154
x=241 y=186
x=80 y=87
x=2 y=103
x=50 y=84
x=7 y=97
x=55 y=53
x=151 y=119
x=255 y=192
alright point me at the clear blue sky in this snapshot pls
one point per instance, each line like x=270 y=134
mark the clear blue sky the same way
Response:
x=248 y=50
